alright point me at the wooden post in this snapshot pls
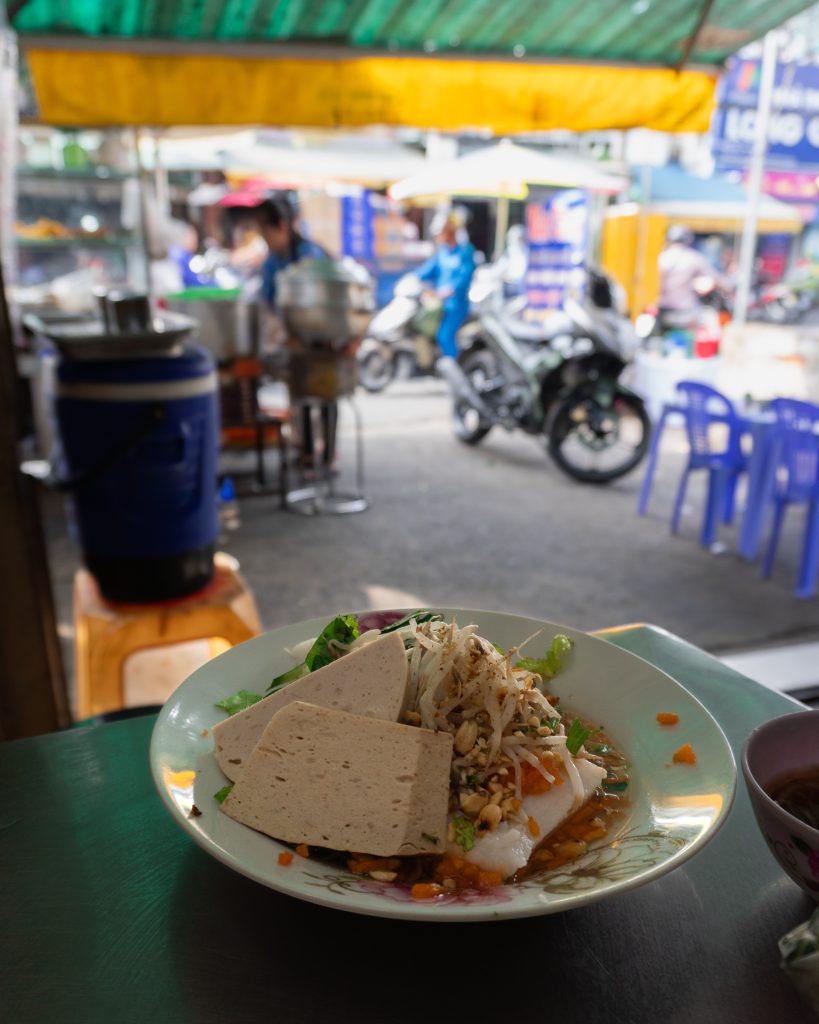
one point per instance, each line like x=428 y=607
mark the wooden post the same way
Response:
x=33 y=696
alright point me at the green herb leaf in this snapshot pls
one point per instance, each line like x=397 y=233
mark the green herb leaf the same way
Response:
x=614 y=787
x=419 y=616
x=553 y=723
x=238 y=701
x=549 y=665
x=343 y=629
x=221 y=796
x=465 y=832
x=429 y=838
x=576 y=737
x=290 y=676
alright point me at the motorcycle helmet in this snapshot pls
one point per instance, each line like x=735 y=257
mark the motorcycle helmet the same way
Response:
x=680 y=234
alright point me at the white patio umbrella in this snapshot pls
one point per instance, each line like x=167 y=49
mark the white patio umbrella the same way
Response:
x=504 y=171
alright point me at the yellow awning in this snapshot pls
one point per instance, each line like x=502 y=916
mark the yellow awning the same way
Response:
x=104 y=87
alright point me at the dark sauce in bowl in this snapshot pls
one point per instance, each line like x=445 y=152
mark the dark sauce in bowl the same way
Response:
x=798 y=794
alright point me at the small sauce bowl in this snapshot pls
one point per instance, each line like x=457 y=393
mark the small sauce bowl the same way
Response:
x=780 y=746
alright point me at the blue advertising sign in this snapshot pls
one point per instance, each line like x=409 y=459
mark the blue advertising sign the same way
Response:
x=357 y=234
x=793 y=135
x=556 y=230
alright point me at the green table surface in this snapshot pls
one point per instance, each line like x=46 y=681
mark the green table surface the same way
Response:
x=110 y=912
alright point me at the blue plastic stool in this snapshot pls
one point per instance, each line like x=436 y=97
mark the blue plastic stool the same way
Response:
x=796 y=483
x=704 y=406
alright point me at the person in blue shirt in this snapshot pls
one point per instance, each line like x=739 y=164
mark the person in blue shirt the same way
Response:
x=275 y=221
x=450 y=272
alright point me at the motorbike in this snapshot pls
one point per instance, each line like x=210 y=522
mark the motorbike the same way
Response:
x=400 y=340
x=560 y=382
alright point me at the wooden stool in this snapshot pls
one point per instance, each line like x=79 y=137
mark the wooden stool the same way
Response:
x=106 y=634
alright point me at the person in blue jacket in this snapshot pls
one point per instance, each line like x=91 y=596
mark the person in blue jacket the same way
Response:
x=450 y=272
x=275 y=221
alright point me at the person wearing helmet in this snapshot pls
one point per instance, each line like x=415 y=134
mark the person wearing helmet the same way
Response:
x=449 y=270
x=680 y=265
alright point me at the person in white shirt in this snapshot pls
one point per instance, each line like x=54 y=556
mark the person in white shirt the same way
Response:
x=680 y=265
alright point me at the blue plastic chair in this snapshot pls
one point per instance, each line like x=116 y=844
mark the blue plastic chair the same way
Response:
x=704 y=406
x=796 y=483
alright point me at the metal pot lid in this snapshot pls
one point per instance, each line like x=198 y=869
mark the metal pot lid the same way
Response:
x=344 y=271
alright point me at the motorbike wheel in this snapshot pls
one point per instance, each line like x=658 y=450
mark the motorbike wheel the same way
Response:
x=479 y=367
x=596 y=444
x=375 y=371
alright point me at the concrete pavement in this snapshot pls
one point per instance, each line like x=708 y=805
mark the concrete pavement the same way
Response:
x=500 y=527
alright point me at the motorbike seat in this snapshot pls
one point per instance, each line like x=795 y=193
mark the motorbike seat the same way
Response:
x=529 y=333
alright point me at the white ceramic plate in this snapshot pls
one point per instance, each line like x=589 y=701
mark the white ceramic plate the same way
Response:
x=674 y=809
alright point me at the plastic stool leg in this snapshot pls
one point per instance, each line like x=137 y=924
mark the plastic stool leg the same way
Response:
x=730 y=498
x=714 y=504
x=678 y=501
x=651 y=463
x=809 y=563
x=773 y=540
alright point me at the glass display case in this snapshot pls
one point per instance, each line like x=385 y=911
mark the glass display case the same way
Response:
x=79 y=217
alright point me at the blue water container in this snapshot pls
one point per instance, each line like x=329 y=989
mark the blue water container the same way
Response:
x=140 y=444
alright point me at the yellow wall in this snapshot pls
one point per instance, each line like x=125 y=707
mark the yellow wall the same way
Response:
x=632 y=242
x=630 y=246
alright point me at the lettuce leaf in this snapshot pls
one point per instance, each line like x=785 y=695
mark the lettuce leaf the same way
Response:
x=550 y=664
x=343 y=629
x=290 y=676
x=238 y=701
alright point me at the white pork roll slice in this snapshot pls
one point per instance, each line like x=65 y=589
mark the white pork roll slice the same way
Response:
x=508 y=848
x=332 y=779
x=370 y=680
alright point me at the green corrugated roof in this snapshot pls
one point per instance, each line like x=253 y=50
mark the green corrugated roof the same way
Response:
x=641 y=31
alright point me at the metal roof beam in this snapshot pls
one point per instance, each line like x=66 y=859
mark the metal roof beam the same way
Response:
x=690 y=42
x=630 y=36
